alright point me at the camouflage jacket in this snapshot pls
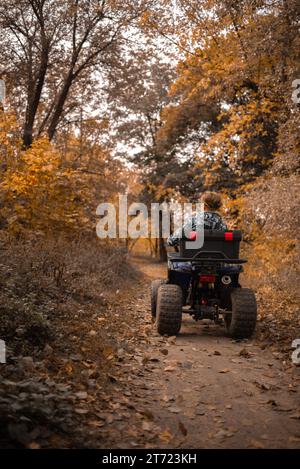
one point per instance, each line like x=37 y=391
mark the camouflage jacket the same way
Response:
x=212 y=221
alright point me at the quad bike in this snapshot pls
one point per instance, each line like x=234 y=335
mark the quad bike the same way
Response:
x=207 y=287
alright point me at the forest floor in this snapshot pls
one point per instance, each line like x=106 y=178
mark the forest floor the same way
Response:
x=199 y=390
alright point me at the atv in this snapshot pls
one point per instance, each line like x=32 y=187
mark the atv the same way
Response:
x=204 y=282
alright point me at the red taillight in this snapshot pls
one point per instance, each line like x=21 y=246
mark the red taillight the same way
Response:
x=228 y=236
x=207 y=278
x=193 y=236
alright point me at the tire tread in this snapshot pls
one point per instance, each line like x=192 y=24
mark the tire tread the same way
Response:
x=244 y=313
x=169 y=309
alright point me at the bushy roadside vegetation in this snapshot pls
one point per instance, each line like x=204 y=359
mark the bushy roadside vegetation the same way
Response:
x=58 y=321
x=39 y=278
x=58 y=283
x=269 y=215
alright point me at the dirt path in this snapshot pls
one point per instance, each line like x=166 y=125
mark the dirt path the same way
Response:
x=199 y=390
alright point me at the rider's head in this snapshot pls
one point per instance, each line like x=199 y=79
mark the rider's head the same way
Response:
x=212 y=201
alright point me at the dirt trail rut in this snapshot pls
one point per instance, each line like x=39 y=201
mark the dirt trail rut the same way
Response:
x=200 y=390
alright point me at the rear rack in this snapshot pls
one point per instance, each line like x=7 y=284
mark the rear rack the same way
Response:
x=218 y=257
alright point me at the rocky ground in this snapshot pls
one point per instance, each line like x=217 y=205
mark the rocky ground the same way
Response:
x=141 y=390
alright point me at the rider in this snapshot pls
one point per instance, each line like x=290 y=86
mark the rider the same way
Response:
x=212 y=220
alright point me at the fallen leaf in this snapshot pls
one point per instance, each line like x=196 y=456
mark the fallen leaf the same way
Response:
x=257 y=444
x=182 y=428
x=294 y=439
x=295 y=416
x=174 y=410
x=96 y=423
x=107 y=351
x=81 y=411
x=244 y=353
x=148 y=414
x=154 y=359
x=146 y=426
x=272 y=402
x=112 y=378
x=223 y=434
x=262 y=386
x=165 y=436
x=211 y=407
x=81 y=394
x=68 y=368
x=109 y=419
x=170 y=368
x=172 y=339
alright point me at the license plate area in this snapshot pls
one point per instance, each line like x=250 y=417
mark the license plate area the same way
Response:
x=206 y=268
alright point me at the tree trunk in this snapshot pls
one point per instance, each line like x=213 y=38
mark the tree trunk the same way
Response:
x=60 y=106
x=34 y=95
x=161 y=251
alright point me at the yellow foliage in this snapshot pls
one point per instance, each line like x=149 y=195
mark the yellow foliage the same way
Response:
x=43 y=191
x=10 y=141
x=239 y=139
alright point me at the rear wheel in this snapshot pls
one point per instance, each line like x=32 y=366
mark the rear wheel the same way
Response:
x=169 y=309
x=240 y=324
x=154 y=289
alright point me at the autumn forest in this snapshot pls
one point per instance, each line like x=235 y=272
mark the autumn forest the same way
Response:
x=161 y=100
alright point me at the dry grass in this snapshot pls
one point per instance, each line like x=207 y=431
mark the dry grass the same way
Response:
x=59 y=321
x=39 y=279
